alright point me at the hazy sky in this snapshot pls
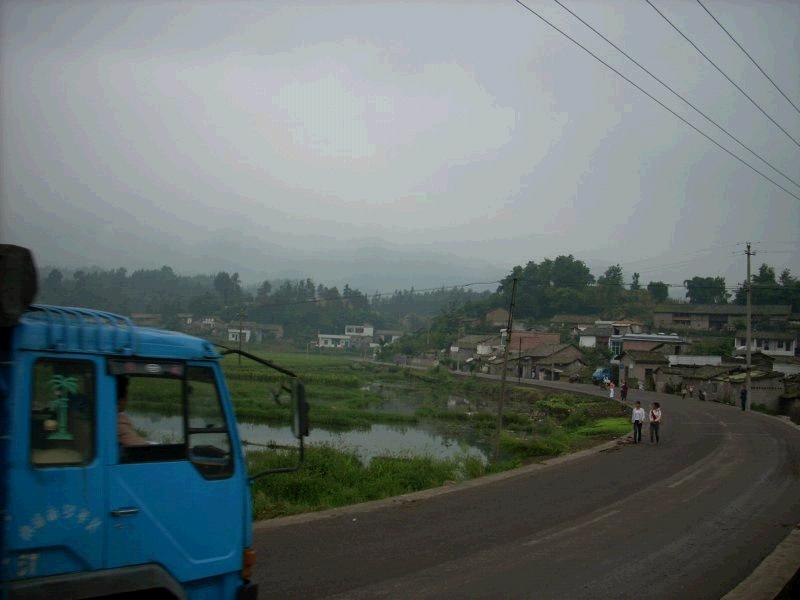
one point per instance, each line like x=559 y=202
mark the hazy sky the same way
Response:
x=391 y=143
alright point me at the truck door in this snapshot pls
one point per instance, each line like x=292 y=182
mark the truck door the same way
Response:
x=176 y=495
x=57 y=500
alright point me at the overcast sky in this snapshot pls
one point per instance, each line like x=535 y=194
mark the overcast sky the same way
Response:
x=392 y=143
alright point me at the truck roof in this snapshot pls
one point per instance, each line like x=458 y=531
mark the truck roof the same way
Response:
x=69 y=329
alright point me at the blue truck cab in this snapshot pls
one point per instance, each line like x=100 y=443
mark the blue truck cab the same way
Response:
x=122 y=469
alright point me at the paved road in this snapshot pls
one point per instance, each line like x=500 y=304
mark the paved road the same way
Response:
x=689 y=518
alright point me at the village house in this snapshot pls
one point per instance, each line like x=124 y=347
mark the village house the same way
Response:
x=497 y=317
x=575 y=323
x=329 y=340
x=670 y=379
x=595 y=336
x=552 y=360
x=642 y=365
x=774 y=343
x=387 y=336
x=251 y=332
x=766 y=388
x=466 y=346
x=716 y=317
x=362 y=331
x=525 y=340
x=663 y=343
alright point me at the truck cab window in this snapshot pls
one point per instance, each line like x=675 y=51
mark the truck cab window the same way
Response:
x=150 y=418
x=62 y=413
x=209 y=442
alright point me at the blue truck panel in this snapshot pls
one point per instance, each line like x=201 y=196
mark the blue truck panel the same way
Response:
x=80 y=510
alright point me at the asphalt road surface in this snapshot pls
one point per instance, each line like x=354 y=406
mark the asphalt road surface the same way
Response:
x=689 y=518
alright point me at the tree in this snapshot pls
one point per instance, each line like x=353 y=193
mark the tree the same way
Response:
x=262 y=294
x=706 y=290
x=610 y=287
x=635 y=287
x=658 y=290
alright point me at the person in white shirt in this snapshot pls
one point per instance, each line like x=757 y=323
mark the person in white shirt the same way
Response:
x=611 y=388
x=637 y=418
x=655 y=421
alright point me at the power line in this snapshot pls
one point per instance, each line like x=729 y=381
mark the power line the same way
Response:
x=707 y=118
x=736 y=85
x=649 y=95
x=747 y=54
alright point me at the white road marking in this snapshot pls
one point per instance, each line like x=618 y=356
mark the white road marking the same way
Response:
x=561 y=532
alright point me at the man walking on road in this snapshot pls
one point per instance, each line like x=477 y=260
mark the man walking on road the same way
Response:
x=655 y=421
x=637 y=418
x=743 y=398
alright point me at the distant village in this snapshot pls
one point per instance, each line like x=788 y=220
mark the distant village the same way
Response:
x=660 y=354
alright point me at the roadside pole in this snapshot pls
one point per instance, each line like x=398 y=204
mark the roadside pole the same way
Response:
x=505 y=369
x=748 y=402
x=241 y=315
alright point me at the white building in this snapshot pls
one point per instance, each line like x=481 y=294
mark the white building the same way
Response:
x=359 y=330
x=234 y=333
x=773 y=343
x=694 y=360
x=329 y=340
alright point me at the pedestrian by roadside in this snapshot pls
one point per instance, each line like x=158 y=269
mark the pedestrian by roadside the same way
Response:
x=683 y=393
x=624 y=391
x=702 y=395
x=743 y=398
x=691 y=391
x=611 y=388
x=655 y=421
x=637 y=418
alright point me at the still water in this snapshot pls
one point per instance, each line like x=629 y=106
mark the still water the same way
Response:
x=378 y=440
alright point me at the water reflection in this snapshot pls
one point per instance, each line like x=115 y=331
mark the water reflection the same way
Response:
x=377 y=440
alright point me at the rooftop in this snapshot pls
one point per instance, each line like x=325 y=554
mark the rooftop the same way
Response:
x=768 y=335
x=602 y=330
x=574 y=318
x=724 y=309
x=546 y=350
x=645 y=356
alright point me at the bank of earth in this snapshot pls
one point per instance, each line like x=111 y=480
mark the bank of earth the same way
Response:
x=350 y=396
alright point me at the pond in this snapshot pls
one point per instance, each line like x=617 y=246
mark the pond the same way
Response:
x=414 y=440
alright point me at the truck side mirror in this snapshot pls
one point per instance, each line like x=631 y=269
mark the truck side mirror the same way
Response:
x=299 y=409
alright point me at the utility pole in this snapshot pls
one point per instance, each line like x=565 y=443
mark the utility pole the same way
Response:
x=519 y=359
x=505 y=369
x=241 y=333
x=749 y=253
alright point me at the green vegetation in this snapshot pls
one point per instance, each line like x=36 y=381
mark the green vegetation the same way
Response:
x=347 y=395
x=333 y=477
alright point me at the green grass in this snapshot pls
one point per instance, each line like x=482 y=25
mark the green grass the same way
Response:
x=332 y=477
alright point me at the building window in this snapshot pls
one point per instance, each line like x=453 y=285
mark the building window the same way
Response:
x=780 y=345
x=62 y=413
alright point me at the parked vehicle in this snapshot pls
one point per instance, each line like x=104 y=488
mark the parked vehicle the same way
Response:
x=91 y=505
x=601 y=374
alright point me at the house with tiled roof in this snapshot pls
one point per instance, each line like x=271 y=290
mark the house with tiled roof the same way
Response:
x=716 y=317
x=641 y=365
x=774 y=343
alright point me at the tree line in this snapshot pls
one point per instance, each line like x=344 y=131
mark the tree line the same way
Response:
x=552 y=286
